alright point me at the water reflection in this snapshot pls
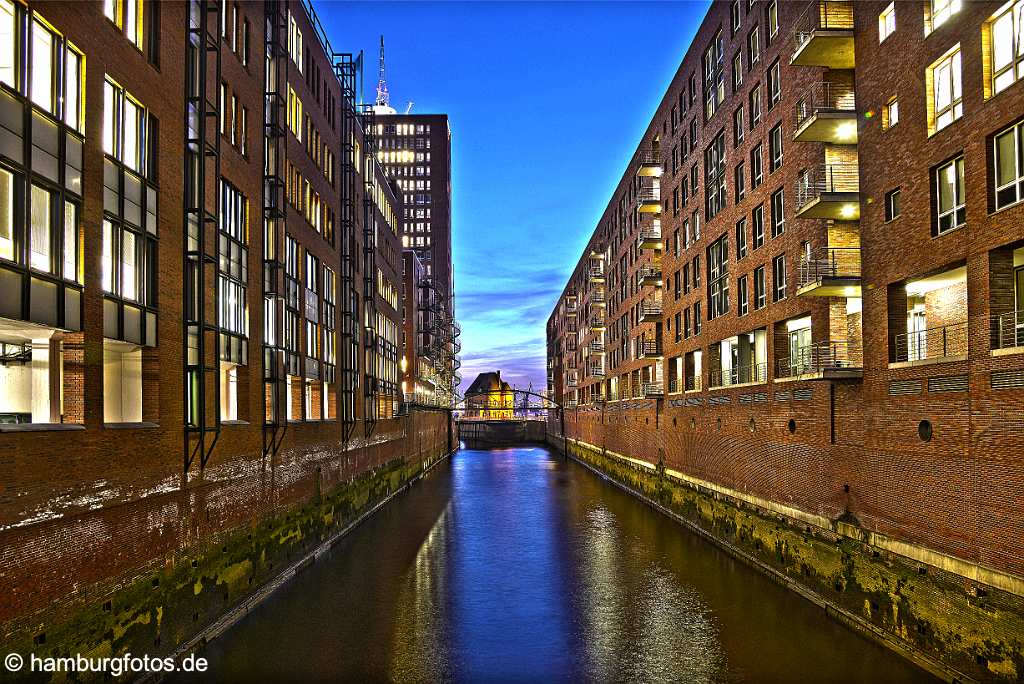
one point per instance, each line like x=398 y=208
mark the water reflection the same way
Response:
x=515 y=566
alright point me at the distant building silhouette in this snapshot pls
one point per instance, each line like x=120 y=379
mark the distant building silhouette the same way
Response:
x=490 y=397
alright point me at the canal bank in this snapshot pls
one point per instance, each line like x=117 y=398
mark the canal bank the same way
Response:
x=956 y=632
x=518 y=565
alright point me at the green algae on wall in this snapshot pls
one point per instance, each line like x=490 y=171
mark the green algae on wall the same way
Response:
x=969 y=630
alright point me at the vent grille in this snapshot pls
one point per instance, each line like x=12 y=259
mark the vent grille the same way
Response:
x=782 y=396
x=902 y=387
x=948 y=383
x=746 y=398
x=694 y=401
x=760 y=397
x=718 y=401
x=1008 y=379
x=802 y=394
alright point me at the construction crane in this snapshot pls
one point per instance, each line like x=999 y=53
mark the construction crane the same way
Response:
x=408 y=107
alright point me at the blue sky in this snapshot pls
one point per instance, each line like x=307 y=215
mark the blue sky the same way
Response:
x=547 y=101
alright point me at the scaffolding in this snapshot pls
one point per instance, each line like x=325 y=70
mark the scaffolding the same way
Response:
x=201 y=252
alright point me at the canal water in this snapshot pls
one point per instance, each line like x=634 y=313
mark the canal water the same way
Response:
x=517 y=566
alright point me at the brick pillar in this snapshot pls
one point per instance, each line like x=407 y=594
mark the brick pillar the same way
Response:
x=151 y=384
x=1001 y=297
x=896 y=308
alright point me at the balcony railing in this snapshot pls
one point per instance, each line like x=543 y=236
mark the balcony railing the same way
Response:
x=1008 y=330
x=596 y=371
x=597 y=297
x=649 y=273
x=673 y=385
x=650 y=237
x=827 y=112
x=596 y=346
x=596 y=322
x=571 y=306
x=829 y=263
x=934 y=343
x=650 y=348
x=738 y=375
x=650 y=310
x=596 y=273
x=570 y=382
x=821 y=357
x=834 y=19
x=693 y=383
x=649 y=156
x=653 y=389
x=570 y=364
x=823 y=179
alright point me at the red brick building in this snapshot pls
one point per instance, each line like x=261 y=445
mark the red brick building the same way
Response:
x=805 y=290
x=200 y=276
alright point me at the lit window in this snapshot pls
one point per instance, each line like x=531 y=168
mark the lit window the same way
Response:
x=8 y=62
x=71 y=270
x=127 y=15
x=891 y=114
x=946 y=90
x=1007 y=33
x=41 y=73
x=40 y=247
x=6 y=214
x=294 y=42
x=771 y=15
x=887 y=22
x=73 y=90
x=1009 y=162
x=941 y=10
x=949 y=186
x=124 y=127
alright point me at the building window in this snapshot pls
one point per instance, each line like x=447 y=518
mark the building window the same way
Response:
x=757 y=225
x=949 y=196
x=940 y=11
x=735 y=13
x=714 y=177
x=742 y=297
x=774 y=85
x=124 y=127
x=778 y=214
x=775 y=148
x=946 y=91
x=756 y=167
x=718 y=277
x=890 y=114
x=755 y=106
x=234 y=260
x=127 y=15
x=771 y=20
x=892 y=204
x=294 y=41
x=753 y=48
x=741 y=238
x=779 y=278
x=741 y=183
x=1007 y=36
x=737 y=127
x=737 y=72
x=294 y=114
x=1009 y=163
x=714 y=76
x=760 y=294
x=696 y=318
x=122 y=382
x=887 y=22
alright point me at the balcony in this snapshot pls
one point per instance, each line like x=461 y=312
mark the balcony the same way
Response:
x=596 y=274
x=648 y=199
x=650 y=349
x=597 y=323
x=570 y=363
x=738 y=375
x=673 y=385
x=694 y=383
x=571 y=306
x=595 y=371
x=829 y=191
x=1008 y=330
x=651 y=390
x=830 y=360
x=649 y=163
x=649 y=275
x=596 y=347
x=944 y=342
x=823 y=35
x=827 y=113
x=650 y=311
x=570 y=381
x=597 y=297
x=650 y=238
x=830 y=272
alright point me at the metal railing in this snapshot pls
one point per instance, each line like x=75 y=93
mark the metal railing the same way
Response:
x=596 y=346
x=571 y=306
x=1008 y=330
x=824 y=15
x=571 y=382
x=597 y=321
x=597 y=297
x=934 y=343
x=595 y=371
x=649 y=156
x=653 y=389
x=650 y=307
x=825 y=96
x=822 y=178
x=821 y=356
x=649 y=348
x=649 y=272
x=693 y=383
x=829 y=262
x=596 y=272
x=738 y=375
x=649 y=233
x=648 y=195
x=673 y=385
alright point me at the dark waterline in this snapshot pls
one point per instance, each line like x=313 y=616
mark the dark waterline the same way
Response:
x=513 y=565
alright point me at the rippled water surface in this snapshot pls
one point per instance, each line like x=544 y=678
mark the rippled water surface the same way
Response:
x=514 y=565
